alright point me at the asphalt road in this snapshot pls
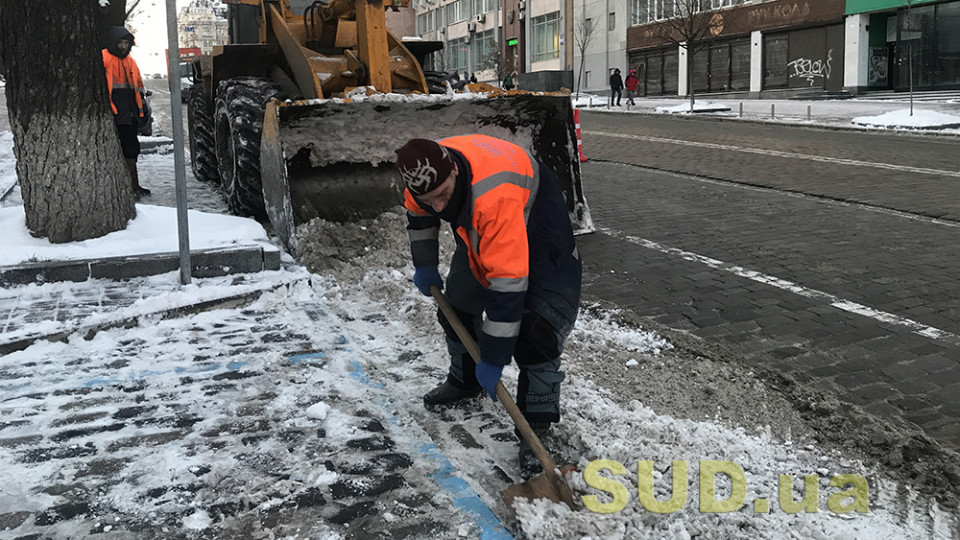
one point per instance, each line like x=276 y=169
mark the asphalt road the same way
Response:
x=831 y=257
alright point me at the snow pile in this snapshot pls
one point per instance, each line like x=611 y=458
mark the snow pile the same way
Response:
x=153 y=230
x=921 y=118
x=587 y=100
x=698 y=106
x=598 y=427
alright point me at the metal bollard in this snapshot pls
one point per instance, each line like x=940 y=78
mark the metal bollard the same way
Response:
x=741 y=109
x=808 y=113
x=773 y=111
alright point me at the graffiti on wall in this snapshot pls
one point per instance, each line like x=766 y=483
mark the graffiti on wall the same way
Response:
x=811 y=70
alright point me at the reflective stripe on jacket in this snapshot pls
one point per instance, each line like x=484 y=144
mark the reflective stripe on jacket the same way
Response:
x=504 y=184
x=123 y=75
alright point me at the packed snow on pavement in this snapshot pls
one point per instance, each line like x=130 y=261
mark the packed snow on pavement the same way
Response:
x=254 y=420
x=149 y=232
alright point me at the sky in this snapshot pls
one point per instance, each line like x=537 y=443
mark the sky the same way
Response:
x=149 y=24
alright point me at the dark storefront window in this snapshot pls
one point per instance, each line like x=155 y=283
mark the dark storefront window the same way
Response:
x=740 y=65
x=701 y=71
x=946 y=67
x=928 y=38
x=654 y=74
x=657 y=71
x=775 y=61
x=720 y=68
x=671 y=66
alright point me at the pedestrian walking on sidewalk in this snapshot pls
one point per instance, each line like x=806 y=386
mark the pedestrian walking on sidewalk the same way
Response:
x=515 y=275
x=616 y=86
x=631 y=84
x=128 y=99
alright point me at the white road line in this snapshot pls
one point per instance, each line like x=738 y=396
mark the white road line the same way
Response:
x=793 y=155
x=835 y=301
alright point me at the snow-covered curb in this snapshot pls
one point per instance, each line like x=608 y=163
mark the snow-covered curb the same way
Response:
x=919 y=119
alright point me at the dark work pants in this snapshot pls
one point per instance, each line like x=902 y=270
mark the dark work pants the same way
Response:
x=537 y=353
x=615 y=95
x=129 y=143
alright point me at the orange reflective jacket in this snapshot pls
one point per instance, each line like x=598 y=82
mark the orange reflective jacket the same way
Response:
x=503 y=187
x=123 y=73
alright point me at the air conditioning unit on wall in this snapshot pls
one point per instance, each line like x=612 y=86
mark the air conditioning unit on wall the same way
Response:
x=481 y=18
x=471 y=27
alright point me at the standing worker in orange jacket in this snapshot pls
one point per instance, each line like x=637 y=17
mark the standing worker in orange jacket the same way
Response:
x=515 y=275
x=127 y=99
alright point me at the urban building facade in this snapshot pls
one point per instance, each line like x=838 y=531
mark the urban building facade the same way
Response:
x=203 y=25
x=890 y=40
x=757 y=48
x=491 y=38
x=771 y=48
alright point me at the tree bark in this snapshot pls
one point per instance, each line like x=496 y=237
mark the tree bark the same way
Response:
x=73 y=178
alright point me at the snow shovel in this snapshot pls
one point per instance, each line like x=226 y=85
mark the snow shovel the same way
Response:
x=548 y=485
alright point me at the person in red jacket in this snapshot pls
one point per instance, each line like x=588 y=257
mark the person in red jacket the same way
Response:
x=127 y=99
x=515 y=275
x=631 y=84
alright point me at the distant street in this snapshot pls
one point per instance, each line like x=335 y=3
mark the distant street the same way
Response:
x=831 y=256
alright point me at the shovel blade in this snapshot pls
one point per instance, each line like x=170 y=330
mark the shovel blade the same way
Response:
x=542 y=486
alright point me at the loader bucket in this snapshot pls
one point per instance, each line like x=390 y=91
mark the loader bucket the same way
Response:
x=333 y=159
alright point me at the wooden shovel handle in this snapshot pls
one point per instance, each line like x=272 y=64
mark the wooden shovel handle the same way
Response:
x=549 y=466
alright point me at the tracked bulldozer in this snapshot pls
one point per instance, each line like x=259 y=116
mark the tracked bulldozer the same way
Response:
x=299 y=116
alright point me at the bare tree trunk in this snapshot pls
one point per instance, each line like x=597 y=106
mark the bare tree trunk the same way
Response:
x=690 y=77
x=73 y=178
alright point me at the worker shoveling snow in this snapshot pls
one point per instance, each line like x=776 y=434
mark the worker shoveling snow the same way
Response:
x=300 y=415
x=601 y=420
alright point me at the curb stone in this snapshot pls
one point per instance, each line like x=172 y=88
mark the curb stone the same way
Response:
x=205 y=263
x=925 y=133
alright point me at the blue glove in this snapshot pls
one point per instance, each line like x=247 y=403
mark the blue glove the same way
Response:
x=425 y=276
x=488 y=375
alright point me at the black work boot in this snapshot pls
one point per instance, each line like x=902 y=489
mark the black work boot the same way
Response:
x=528 y=463
x=138 y=190
x=451 y=392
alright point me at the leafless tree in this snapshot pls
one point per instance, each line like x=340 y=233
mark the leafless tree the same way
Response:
x=584 y=30
x=440 y=59
x=693 y=27
x=494 y=60
x=73 y=178
x=131 y=8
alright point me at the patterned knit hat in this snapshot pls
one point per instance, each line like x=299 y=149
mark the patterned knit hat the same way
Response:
x=423 y=165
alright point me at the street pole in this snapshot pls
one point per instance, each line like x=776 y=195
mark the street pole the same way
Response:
x=176 y=114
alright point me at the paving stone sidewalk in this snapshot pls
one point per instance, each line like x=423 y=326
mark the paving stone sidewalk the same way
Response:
x=31 y=312
x=195 y=428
